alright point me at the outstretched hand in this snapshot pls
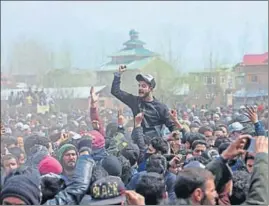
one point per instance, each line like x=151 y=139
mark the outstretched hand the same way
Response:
x=236 y=148
x=252 y=114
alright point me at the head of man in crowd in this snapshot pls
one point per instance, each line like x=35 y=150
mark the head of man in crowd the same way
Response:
x=235 y=130
x=67 y=155
x=198 y=147
x=19 y=154
x=152 y=186
x=195 y=186
x=146 y=84
x=157 y=146
x=10 y=163
x=249 y=161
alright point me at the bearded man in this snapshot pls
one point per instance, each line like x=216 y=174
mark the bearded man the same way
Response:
x=156 y=114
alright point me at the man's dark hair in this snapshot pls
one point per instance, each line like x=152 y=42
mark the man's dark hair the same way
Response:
x=160 y=145
x=241 y=184
x=204 y=129
x=220 y=140
x=194 y=136
x=16 y=151
x=196 y=142
x=218 y=129
x=200 y=159
x=35 y=140
x=190 y=179
x=131 y=152
x=152 y=187
x=50 y=186
x=249 y=156
x=9 y=141
x=223 y=147
x=156 y=163
x=222 y=125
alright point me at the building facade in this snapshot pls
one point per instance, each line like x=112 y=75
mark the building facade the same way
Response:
x=251 y=78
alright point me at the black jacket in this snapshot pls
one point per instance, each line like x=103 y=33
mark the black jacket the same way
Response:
x=156 y=114
x=75 y=191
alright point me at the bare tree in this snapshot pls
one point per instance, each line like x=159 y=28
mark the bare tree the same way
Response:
x=28 y=57
x=173 y=45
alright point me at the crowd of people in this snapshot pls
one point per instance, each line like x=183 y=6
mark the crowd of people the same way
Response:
x=29 y=98
x=162 y=156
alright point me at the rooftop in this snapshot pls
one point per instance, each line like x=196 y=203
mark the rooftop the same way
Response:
x=138 y=64
x=134 y=52
x=134 y=47
x=255 y=59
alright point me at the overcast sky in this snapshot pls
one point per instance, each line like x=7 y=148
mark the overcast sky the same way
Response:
x=93 y=30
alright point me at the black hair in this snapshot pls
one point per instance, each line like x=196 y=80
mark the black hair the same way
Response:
x=131 y=152
x=223 y=125
x=220 y=140
x=156 y=163
x=223 y=147
x=16 y=151
x=9 y=141
x=35 y=140
x=196 y=142
x=190 y=179
x=50 y=186
x=200 y=159
x=194 y=136
x=218 y=129
x=241 y=184
x=248 y=156
x=152 y=187
x=160 y=145
x=204 y=129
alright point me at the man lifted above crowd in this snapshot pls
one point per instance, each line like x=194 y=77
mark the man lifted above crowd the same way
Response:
x=156 y=114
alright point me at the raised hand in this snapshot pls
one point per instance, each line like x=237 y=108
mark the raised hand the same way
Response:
x=173 y=114
x=138 y=119
x=261 y=145
x=251 y=113
x=122 y=69
x=94 y=96
x=236 y=148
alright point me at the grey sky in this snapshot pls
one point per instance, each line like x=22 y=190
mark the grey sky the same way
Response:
x=93 y=30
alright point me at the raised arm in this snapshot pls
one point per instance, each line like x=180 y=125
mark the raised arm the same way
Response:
x=96 y=122
x=123 y=96
x=258 y=191
x=169 y=123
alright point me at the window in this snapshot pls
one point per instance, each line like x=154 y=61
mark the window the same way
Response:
x=196 y=78
x=252 y=78
x=209 y=80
